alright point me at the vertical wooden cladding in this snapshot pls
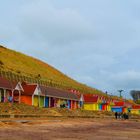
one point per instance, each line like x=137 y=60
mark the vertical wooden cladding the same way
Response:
x=104 y=107
x=91 y=102
x=52 y=101
x=47 y=102
x=36 y=100
x=26 y=99
x=135 y=111
x=69 y=104
x=41 y=100
x=74 y=104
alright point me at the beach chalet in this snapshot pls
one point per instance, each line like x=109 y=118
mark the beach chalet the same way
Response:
x=103 y=105
x=91 y=102
x=32 y=95
x=10 y=91
x=60 y=98
x=135 y=109
x=118 y=107
x=80 y=97
x=41 y=96
x=106 y=104
x=121 y=106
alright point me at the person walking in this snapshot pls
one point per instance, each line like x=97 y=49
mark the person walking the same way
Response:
x=119 y=115
x=116 y=115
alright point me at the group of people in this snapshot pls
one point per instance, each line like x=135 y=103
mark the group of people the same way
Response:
x=120 y=115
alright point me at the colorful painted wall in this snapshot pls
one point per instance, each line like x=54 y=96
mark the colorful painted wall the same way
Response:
x=41 y=101
x=91 y=106
x=36 y=100
x=26 y=100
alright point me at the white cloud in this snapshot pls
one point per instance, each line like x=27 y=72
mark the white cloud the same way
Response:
x=42 y=21
x=128 y=80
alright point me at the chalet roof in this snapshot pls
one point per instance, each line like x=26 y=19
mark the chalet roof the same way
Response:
x=28 y=89
x=136 y=107
x=123 y=104
x=89 y=98
x=119 y=103
x=53 y=92
x=43 y=90
x=5 y=84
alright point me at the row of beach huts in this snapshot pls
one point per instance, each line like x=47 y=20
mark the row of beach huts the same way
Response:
x=48 y=97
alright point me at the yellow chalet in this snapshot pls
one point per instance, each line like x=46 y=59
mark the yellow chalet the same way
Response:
x=90 y=102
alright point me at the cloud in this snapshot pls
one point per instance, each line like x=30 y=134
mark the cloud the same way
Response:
x=128 y=80
x=43 y=22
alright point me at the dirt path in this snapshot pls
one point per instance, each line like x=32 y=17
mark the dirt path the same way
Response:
x=69 y=129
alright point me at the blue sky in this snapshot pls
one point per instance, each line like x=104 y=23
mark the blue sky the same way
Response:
x=94 y=42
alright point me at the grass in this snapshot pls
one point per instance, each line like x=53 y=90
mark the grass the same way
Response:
x=23 y=109
x=28 y=66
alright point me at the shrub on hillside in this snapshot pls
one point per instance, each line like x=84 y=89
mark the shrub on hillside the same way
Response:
x=1 y=63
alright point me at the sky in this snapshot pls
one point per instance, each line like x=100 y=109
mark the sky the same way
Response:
x=95 y=42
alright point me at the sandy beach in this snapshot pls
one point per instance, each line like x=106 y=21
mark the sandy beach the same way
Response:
x=69 y=129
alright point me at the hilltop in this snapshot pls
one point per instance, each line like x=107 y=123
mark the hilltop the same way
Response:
x=23 y=65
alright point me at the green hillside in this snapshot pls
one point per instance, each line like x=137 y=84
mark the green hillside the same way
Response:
x=21 y=64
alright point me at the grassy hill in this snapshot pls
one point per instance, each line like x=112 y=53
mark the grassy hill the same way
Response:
x=24 y=65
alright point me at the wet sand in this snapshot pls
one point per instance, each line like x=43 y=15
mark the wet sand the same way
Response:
x=69 y=129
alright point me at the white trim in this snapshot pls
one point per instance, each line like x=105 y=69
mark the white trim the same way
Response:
x=19 y=87
x=81 y=98
x=44 y=101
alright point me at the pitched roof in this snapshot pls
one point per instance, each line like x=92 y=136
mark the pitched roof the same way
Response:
x=43 y=90
x=53 y=92
x=6 y=84
x=119 y=103
x=136 y=107
x=89 y=98
x=28 y=89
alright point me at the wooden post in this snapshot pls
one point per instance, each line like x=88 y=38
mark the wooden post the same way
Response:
x=12 y=96
x=44 y=101
x=49 y=101
x=39 y=100
x=32 y=99
x=4 y=95
x=19 y=96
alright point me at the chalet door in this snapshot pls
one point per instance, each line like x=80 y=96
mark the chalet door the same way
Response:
x=100 y=106
x=46 y=101
x=36 y=100
x=69 y=104
x=41 y=101
x=52 y=102
x=1 y=95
